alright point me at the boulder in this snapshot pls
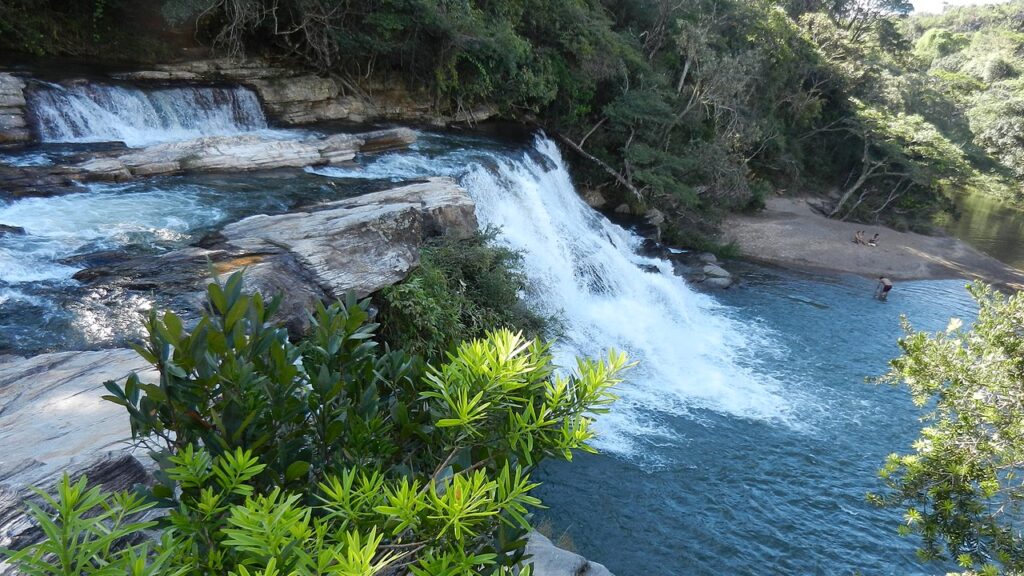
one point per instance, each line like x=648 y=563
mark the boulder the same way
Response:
x=53 y=420
x=357 y=245
x=6 y=230
x=717 y=282
x=550 y=560
x=715 y=271
x=707 y=258
x=654 y=217
x=593 y=198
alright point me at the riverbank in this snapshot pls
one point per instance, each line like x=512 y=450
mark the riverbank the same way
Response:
x=789 y=233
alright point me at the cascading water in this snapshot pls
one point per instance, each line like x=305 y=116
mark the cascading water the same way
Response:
x=100 y=113
x=584 y=270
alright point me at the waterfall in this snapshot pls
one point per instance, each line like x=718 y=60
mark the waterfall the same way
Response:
x=585 y=270
x=693 y=354
x=99 y=113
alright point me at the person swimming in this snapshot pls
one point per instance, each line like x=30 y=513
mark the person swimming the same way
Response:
x=884 y=286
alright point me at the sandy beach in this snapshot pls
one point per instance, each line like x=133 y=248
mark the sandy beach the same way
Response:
x=789 y=233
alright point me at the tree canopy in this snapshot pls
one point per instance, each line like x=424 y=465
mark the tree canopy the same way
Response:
x=961 y=488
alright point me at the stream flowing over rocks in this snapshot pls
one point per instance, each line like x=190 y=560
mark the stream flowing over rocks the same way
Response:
x=128 y=193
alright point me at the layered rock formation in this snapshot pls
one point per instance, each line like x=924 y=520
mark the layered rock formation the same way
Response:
x=13 y=127
x=237 y=153
x=53 y=420
x=357 y=245
x=292 y=97
x=52 y=415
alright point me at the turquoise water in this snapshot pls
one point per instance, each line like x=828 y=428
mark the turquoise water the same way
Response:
x=728 y=495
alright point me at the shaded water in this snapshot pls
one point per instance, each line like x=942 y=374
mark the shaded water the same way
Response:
x=996 y=228
x=43 y=309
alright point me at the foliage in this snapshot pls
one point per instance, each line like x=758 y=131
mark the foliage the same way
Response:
x=81 y=28
x=961 y=486
x=679 y=105
x=461 y=289
x=333 y=438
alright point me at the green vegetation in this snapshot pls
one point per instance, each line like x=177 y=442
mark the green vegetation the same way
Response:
x=698 y=108
x=961 y=488
x=325 y=456
x=462 y=289
x=77 y=28
x=973 y=59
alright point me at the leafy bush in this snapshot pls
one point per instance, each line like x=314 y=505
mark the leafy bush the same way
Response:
x=330 y=455
x=959 y=487
x=461 y=289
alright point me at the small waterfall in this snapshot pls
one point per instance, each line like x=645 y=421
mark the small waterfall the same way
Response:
x=101 y=113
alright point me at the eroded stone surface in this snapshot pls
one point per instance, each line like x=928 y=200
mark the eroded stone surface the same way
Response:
x=13 y=127
x=550 y=560
x=236 y=153
x=53 y=420
x=357 y=245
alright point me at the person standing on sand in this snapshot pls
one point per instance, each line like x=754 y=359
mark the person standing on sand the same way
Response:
x=884 y=286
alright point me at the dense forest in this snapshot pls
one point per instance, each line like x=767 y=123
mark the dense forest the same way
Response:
x=696 y=108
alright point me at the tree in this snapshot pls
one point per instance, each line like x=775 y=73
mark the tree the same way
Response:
x=962 y=487
x=902 y=153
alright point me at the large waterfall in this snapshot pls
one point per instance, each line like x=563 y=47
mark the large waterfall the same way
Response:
x=99 y=112
x=585 y=270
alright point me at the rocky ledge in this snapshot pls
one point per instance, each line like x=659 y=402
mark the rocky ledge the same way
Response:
x=296 y=97
x=13 y=127
x=357 y=245
x=239 y=153
x=53 y=420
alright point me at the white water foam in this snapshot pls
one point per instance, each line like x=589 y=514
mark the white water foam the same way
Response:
x=584 y=268
x=692 y=355
x=102 y=218
x=99 y=113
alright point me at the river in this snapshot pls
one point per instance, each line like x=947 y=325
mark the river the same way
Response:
x=743 y=443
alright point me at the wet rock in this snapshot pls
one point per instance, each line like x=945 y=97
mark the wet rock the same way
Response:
x=593 y=198
x=715 y=271
x=649 y=268
x=707 y=258
x=237 y=153
x=13 y=127
x=358 y=245
x=718 y=282
x=550 y=560
x=623 y=209
x=6 y=230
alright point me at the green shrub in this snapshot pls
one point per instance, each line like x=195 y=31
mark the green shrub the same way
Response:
x=461 y=289
x=330 y=455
